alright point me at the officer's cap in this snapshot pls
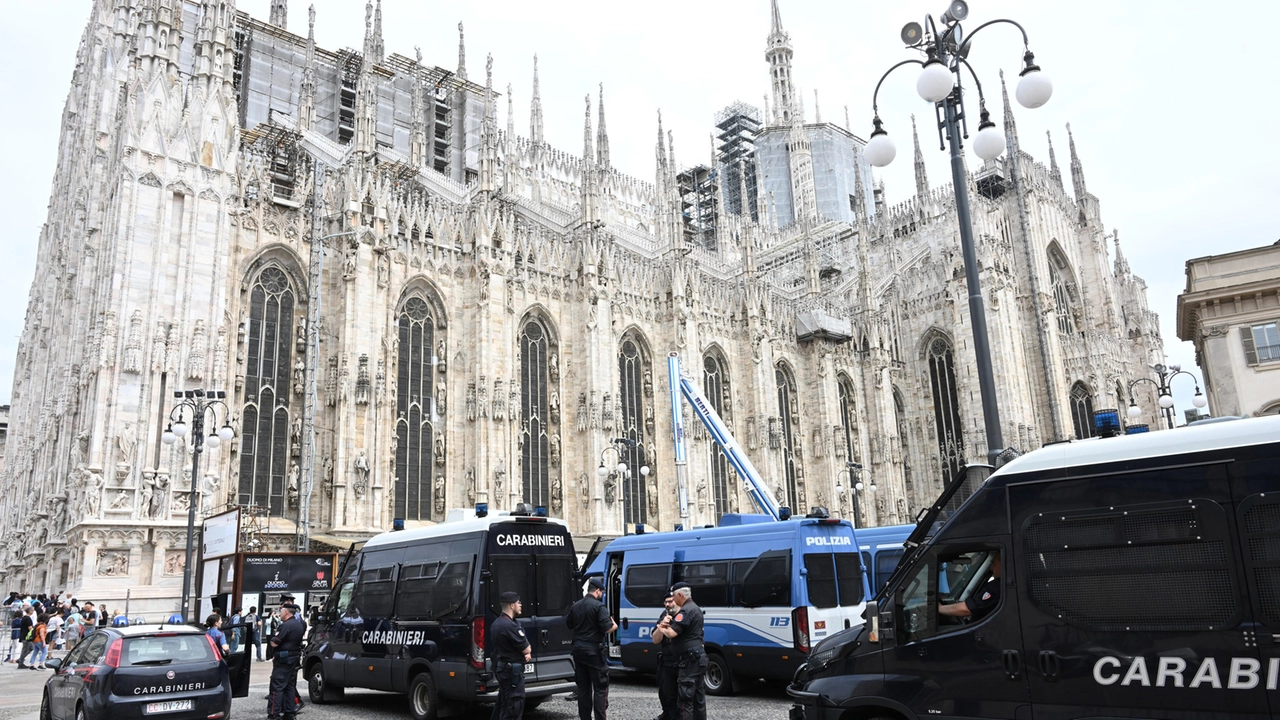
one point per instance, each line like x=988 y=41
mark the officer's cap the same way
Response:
x=596 y=583
x=290 y=607
x=286 y=598
x=508 y=597
x=679 y=586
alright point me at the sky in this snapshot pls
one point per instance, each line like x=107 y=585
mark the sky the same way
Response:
x=1149 y=89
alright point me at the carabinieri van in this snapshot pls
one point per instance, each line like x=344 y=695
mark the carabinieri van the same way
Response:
x=1140 y=578
x=410 y=612
x=768 y=589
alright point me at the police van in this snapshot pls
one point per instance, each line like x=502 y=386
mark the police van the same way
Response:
x=882 y=548
x=1137 y=577
x=767 y=588
x=410 y=612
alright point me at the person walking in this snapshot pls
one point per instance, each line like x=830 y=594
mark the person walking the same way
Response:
x=667 y=669
x=75 y=626
x=55 y=640
x=590 y=622
x=39 y=642
x=685 y=631
x=286 y=650
x=15 y=637
x=27 y=631
x=254 y=623
x=513 y=651
x=213 y=623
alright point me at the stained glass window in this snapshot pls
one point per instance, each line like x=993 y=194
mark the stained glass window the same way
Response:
x=946 y=407
x=632 y=363
x=789 y=421
x=415 y=416
x=265 y=417
x=535 y=465
x=1082 y=410
x=715 y=375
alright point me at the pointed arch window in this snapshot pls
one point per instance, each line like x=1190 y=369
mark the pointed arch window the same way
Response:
x=265 y=417
x=848 y=417
x=1082 y=410
x=1061 y=298
x=535 y=438
x=946 y=407
x=633 y=363
x=900 y=420
x=789 y=427
x=415 y=419
x=715 y=383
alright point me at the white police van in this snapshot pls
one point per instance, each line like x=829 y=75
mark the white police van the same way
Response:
x=768 y=589
x=1140 y=578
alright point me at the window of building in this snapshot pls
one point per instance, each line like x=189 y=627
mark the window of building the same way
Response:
x=633 y=362
x=1082 y=410
x=534 y=440
x=848 y=417
x=1061 y=300
x=265 y=417
x=946 y=408
x=789 y=421
x=415 y=427
x=1261 y=343
x=715 y=376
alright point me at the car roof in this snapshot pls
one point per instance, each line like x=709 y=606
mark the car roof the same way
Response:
x=455 y=527
x=156 y=628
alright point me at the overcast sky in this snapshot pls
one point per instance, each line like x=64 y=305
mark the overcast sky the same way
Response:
x=1163 y=99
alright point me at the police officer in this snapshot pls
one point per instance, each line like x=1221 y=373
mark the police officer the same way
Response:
x=590 y=621
x=982 y=602
x=513 y=651
x=285 y=599
x=667 y=669
x=685 y=631
x=287 y=646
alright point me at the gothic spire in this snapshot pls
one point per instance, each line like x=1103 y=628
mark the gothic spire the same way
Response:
x=462 y=55
x=280 y=14
x=418 y=131
x=488 y=132
x=1077 y=171
x=588 y=155
x=778 y=54
x=589 y=194
x=378 y=47
x=776 y=29
x=535 y=112
x=1055 y=174
x=922 y=179
x=1122 y=265
x=602 y=136
x=307 y=88
x=1010 y=127
x=370 y=48
x=660 y=152
x=817 y=111
x=511 y=115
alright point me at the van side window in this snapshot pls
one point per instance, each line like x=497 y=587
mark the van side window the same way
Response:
x=452 y=589
x=709 y=582
x=646 y=585
x=915 y=605
x=886 y=563
x=342 y=599
x=417 y=586
x=375 y=592
x=768 y=582
x=1087 y=566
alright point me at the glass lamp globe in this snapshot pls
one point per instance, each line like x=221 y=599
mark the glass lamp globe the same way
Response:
x=1134 y=411
x=1199 y=400
x=622 y=467
x=1034 y=89
x=989 y=142
x=180 y=429
x=226 y=433
x=644 y=469
x=602 y=471
x=872 y=487
x=1166 y=401
x=935 y=82
x=213 y=441
x=857 y=486
x=880 y=150
x=168 y=438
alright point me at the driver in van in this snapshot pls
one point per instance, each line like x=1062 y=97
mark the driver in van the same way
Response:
x=981 y=602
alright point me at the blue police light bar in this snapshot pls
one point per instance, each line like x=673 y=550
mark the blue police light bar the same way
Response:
x=139 y=620
x=397 y=524
x=784 y=513
x=540 y=511
x=1107 y=422
x=482 y=510
x=639 y=528
x=1136 y=429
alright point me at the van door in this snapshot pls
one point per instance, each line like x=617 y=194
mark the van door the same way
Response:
x=239 y=659
x=612 y=599
x=1132 y=601
x=946 y=666
x=1258 y=521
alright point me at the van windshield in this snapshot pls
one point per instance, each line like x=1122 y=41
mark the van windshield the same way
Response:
x=545 y=583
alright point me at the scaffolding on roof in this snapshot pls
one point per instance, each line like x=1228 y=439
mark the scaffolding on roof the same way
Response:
x=738 y=125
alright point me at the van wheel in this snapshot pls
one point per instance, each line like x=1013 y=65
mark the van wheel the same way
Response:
x=423 y=704
x=718 y=680
x=45 y=712
x=319 y=689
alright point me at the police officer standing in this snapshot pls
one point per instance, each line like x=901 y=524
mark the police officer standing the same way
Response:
x=287 y=647
x=685 y=631
x=589 y=621
x=667 y=669
x=513 y=651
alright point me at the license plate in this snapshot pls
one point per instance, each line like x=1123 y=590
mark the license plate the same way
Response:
x=167 y=707
x=528 y=668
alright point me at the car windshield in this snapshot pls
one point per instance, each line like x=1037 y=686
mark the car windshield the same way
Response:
x=165 y=649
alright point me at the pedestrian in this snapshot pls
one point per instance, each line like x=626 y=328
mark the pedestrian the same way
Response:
x=28 y=627
x=685 y=631
x=15 y=637
x=75 y=626
x=55 y=640
x=90 y=613
x=590 y=622
x=39 y=642
x=254 y=624
x=287 y=647
x=667 y=668
x=287 y=599
x=214 y=623
x=512 y=650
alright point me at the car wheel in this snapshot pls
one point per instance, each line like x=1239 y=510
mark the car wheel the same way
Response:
x=319 y=689
x=80 y=712
x=423 y=704
x=718 y=680
x=45 y=712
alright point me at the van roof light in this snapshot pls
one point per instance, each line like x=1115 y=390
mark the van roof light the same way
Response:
x=817 y=511
x=482 y=510
x=540 y=511
x=1107 y=422
x=784 y=513
x=522 y=509
x=397 y=524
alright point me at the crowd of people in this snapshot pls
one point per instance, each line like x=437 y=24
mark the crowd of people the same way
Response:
x=39 y=624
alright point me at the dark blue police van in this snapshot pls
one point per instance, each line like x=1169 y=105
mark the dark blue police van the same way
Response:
x=410 y=612
x=1131 y=577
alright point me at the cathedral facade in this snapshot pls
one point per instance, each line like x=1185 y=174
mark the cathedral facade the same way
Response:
x=413 y=309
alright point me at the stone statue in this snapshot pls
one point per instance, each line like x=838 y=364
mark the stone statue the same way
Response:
x=554 y=453
x=361 y=465
x=384 y=270
x=174 y=562
x=180 y=504
x=93 y=486
x=349 y=262
x=328 y=477
x=553 y=366
x=557 y=495
x=610 y=488
x=441 y=394
x=584 y=489
x=499 y=478
x=127 y=441
x=653 y=496
x=295 y=435
x=160 y=496
x=208 y=489
x=295 y=477
x=145 y=494
x=299 y=377
x=120 y=501
x=113 y=563
x=437 y=494
x=438 y=447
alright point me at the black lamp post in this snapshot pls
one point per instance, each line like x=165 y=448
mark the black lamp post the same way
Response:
x=945 y=51
x=1165 y=376
x=853 y=471
x=201 y=404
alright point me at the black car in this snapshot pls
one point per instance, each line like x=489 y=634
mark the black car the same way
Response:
x=174 y=671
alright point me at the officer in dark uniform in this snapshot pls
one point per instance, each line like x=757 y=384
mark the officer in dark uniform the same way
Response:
x=589 y=621
x=982 y=602
x=287 y=652
x=667 y=668
x=512 y=650
x=685 y=631
x=286 y=598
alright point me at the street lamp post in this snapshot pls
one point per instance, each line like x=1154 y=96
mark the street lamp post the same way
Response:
x=853 y=471
x=1164 y=392
x=939 y=83
x=202 y=404
x=621 y=471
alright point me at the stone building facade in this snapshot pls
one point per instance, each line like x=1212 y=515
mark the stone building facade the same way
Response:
x=491 y=312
